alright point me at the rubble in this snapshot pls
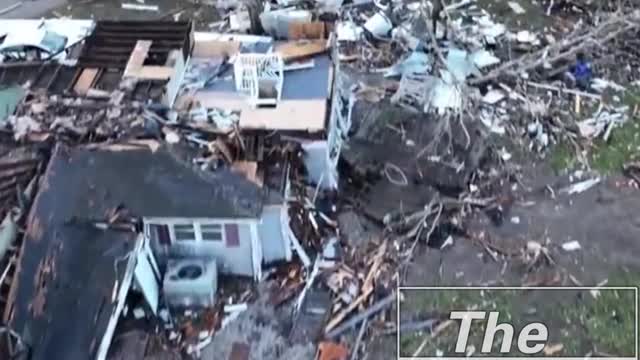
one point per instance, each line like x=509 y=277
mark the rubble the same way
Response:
x=420 y=157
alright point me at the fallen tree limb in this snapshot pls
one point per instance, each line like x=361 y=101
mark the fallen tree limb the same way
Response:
x=333 y=331
x=603 y=33
x=561 y=90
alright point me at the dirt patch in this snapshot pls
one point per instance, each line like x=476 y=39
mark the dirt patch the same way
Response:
x=603 y=221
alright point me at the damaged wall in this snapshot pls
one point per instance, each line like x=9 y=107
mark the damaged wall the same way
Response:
x=319 y=166
x=272 y=232
x=321 y=157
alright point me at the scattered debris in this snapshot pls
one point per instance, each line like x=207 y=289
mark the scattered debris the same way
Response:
x=414 y=170
x=140 y=7
x=517 y=8
x=551 y=350
x=571 y=246
x=581 y=186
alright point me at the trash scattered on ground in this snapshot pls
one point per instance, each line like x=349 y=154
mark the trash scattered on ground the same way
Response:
x=441 y=116
x=571 y=246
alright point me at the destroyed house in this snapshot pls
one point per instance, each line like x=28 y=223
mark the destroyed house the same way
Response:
x=109 y=218
x=151 y=54
x=266 y=86
x=70 y=277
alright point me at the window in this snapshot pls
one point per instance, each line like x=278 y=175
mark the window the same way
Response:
x=184 y=232
x=211 y=232
x=226 y=234
x=161 y=231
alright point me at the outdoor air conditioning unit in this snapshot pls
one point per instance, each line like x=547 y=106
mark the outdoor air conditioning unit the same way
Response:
x=190 y=283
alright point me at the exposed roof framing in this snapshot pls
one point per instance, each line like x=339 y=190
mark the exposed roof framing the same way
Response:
x=111 y=43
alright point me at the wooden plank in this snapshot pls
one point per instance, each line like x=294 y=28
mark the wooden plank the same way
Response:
x=306 y=115
x=346 y=311
x=154 y=73
x=85 y=80
x=291 y=51
x=138 y=55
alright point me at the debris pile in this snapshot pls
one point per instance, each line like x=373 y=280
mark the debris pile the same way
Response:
x=431 y=99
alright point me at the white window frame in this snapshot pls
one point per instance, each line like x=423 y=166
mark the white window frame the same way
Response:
x=172 y=232
x=223 y=232
x=197 y=227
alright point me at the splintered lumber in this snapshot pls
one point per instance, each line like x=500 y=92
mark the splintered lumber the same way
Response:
x=331 y=333
x=608 y=30
x=379 y=257
x=346 y=311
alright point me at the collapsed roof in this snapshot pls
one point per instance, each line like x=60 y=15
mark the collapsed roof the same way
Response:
x=306 y=81
x=60 y=302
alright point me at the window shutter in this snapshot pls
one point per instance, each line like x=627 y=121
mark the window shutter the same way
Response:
x=163 y=234
x=231 y=234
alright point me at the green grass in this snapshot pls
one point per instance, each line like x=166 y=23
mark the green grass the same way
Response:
x=624 y=145
x=606 y=157
x=577 y=320
x=562 y=157
x=608 y=321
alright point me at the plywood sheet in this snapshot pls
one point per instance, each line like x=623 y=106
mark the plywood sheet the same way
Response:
x=154 y=73
x=308 y=30
x=305 y=115
x=296 y=50
x=215 y=48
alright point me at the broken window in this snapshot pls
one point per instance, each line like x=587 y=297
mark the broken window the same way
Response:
x=185 y=232
x=211 y=232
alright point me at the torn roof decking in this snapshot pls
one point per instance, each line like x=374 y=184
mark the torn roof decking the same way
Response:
x=303 y=84
x=18 y=169
x=60 y=301
x=61 y=298
x=111 y=43
x=52 y=77
x=302 y=107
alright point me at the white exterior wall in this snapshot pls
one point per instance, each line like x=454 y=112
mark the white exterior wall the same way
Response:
x=243 y=259
x=273 y=232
